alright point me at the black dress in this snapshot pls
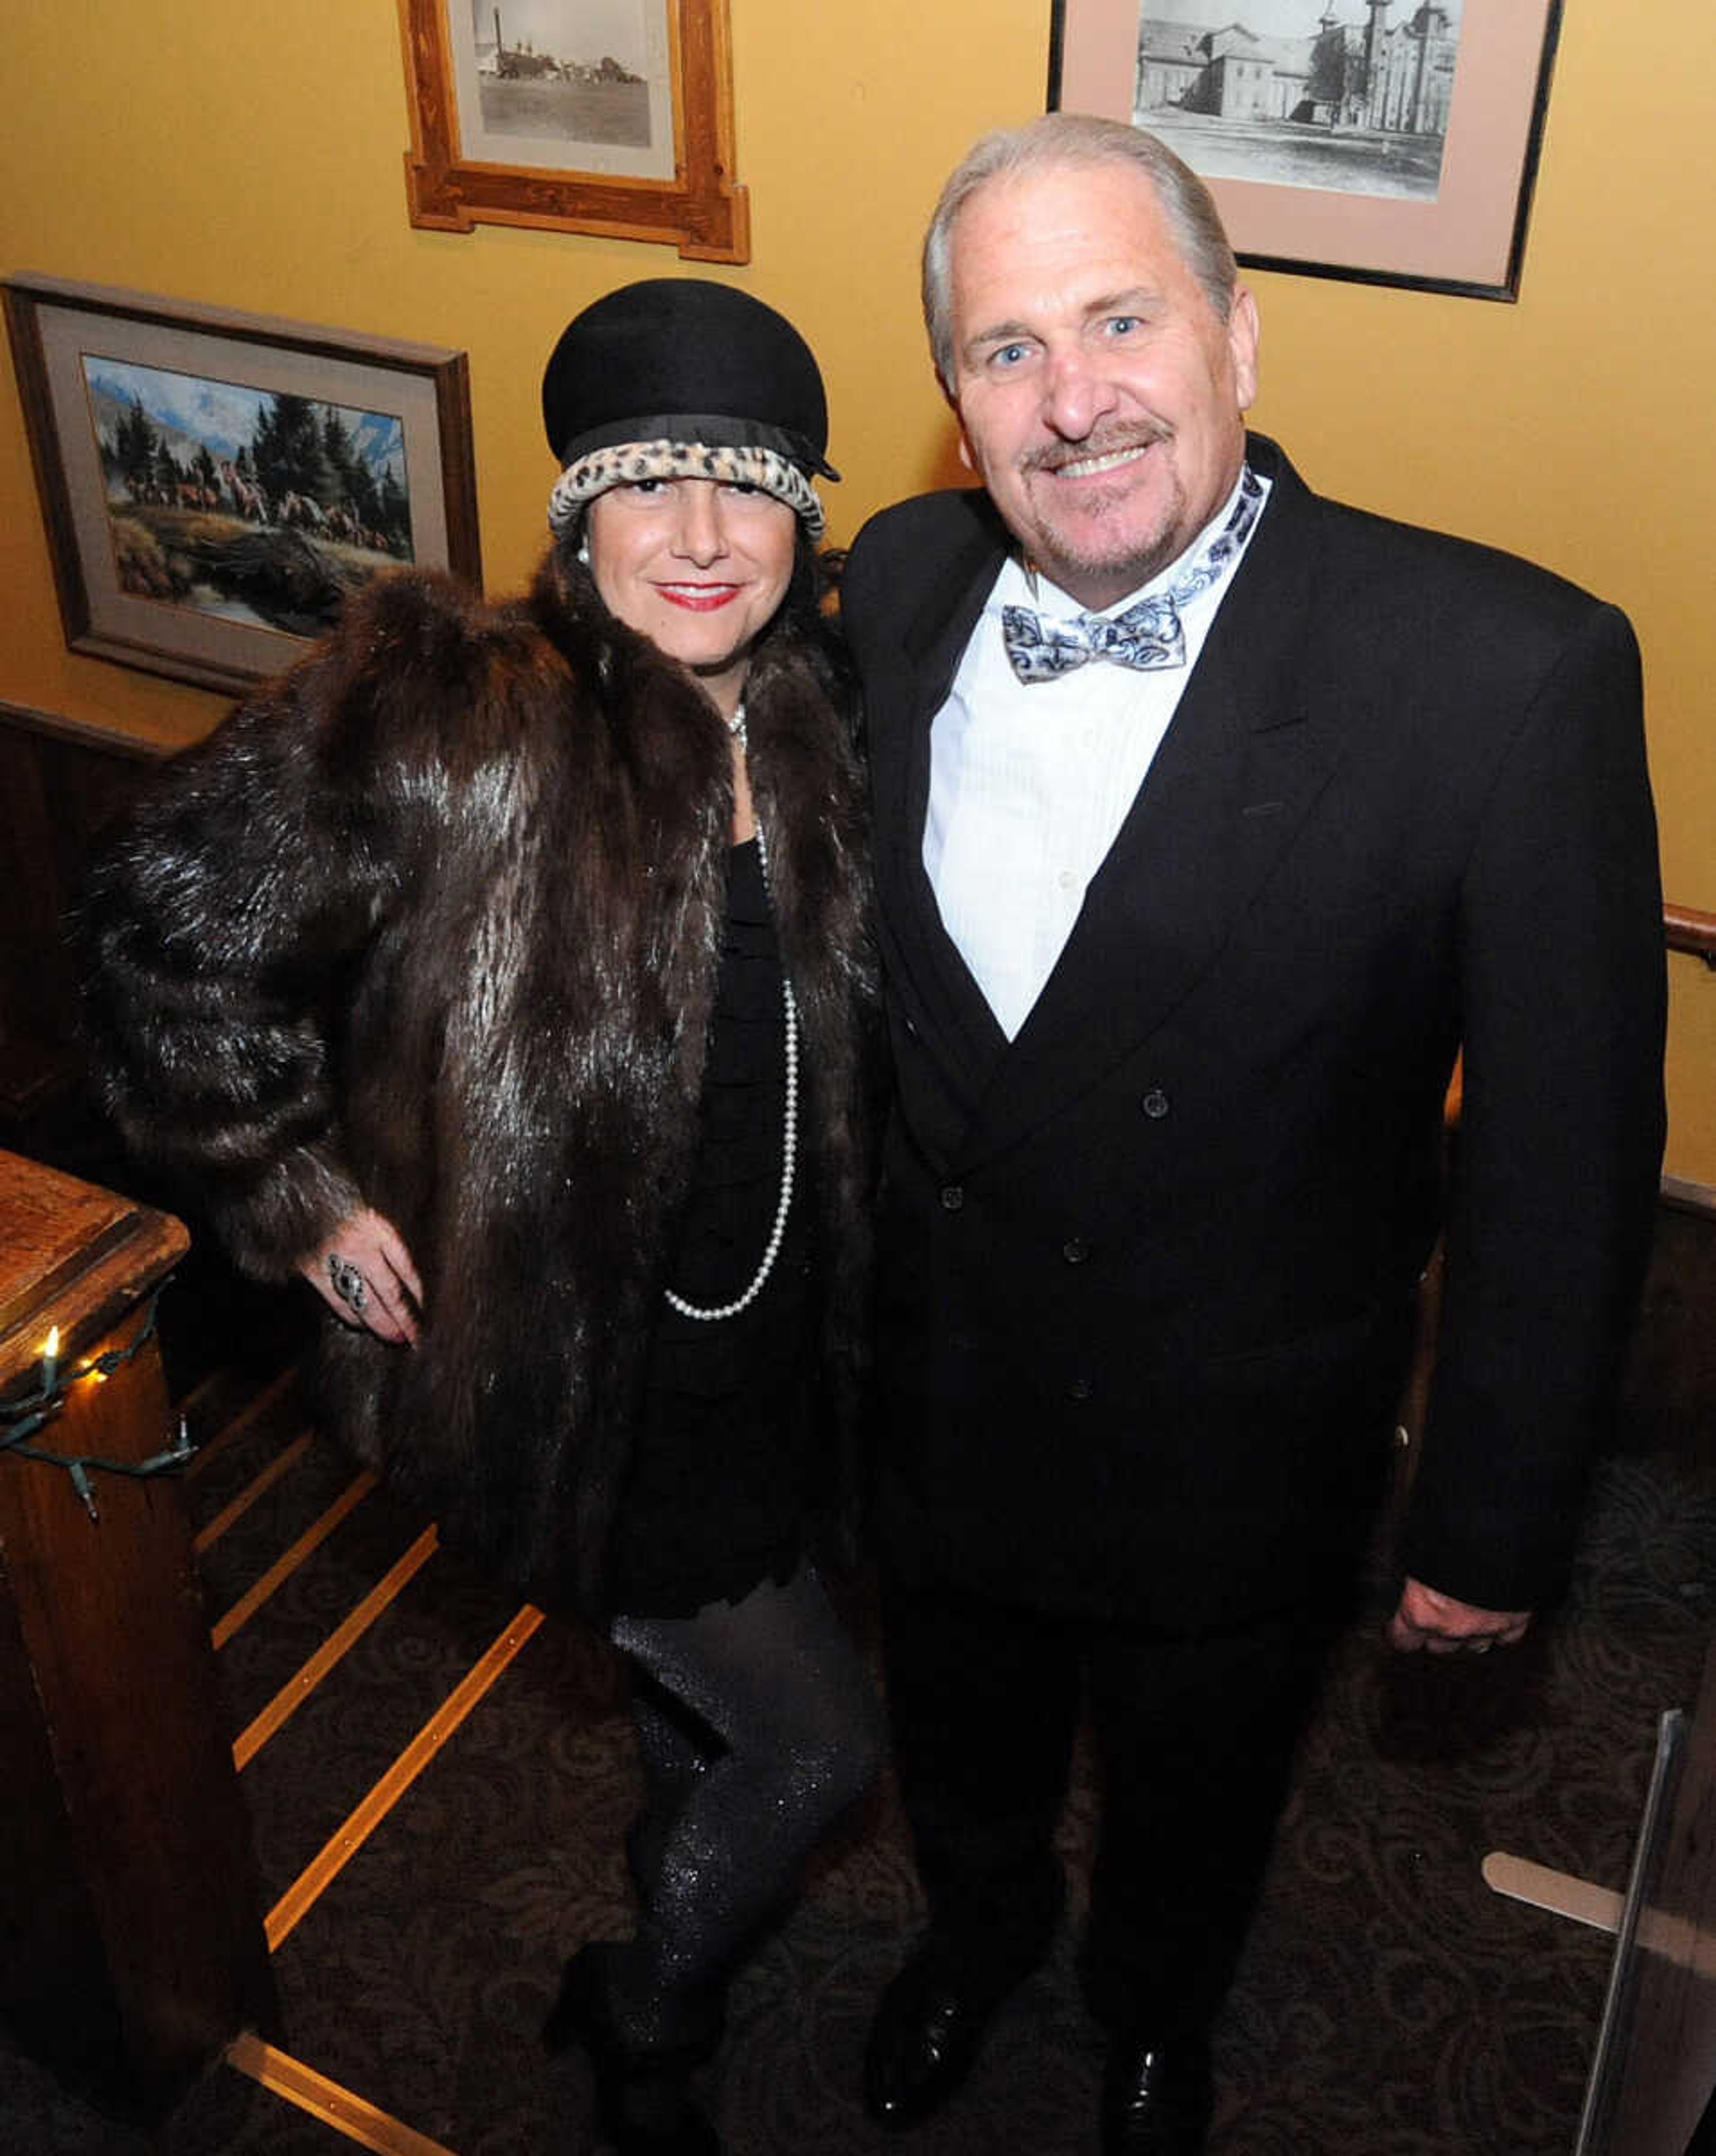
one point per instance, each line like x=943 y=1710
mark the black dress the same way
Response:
x=719 y=1495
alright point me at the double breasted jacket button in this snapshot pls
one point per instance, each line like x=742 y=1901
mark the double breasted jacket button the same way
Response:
x=953 y=1197
x=1075 y=1250
x=1154 y=1104
x=1081 y=1389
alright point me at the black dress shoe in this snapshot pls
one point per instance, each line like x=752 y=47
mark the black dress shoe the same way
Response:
x=1157 y=2099
x=644 y=2104
x=927 y=2032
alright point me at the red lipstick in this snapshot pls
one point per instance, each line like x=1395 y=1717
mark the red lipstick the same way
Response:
x=699 y=598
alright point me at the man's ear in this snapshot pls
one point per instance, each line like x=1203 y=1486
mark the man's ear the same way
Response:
x=1243 y=335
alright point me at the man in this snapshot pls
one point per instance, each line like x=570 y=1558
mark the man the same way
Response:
x=1212 y=820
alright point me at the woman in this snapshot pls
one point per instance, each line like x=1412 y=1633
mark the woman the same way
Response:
x=505 y=971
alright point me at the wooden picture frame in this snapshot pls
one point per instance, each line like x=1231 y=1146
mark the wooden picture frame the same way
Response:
x=1389 y=143
x=641 y=148
x=166 y=437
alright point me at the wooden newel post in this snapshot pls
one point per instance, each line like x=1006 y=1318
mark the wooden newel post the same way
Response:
x=131 y=1948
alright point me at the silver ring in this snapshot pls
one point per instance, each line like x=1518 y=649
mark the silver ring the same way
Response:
x=348 y=1283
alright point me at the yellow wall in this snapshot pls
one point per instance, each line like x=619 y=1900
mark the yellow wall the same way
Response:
x=252 y=156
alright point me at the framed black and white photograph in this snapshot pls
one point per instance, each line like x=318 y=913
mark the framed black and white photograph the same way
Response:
x=214 y=485
x=1392 y=142
x=580 y=116
x=582 y=85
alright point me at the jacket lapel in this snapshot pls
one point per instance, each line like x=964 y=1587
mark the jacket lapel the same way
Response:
x=1241 y=766
x=946 y=1007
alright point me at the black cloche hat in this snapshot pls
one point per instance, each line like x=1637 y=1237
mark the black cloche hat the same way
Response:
x=680 y=359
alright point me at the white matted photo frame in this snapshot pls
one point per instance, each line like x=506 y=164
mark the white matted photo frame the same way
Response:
x=1389 y=141
x=214 y=485
x=610 y=117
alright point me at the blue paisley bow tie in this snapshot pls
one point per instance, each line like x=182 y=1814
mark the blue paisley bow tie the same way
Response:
x=1147 y=635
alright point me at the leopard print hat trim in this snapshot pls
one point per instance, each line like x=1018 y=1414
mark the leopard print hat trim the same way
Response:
x=627 y=462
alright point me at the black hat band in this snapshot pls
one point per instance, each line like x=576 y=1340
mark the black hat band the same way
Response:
x=716 y=429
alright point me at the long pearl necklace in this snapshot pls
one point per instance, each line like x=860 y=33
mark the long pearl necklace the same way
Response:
x=789 y=1136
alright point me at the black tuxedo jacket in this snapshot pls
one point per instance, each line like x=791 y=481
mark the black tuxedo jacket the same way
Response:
x=1146 y=1271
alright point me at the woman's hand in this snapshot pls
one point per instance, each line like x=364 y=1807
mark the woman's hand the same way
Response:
x=364 y=1274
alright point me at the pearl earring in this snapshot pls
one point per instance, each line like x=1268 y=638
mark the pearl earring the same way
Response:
x=584 y=553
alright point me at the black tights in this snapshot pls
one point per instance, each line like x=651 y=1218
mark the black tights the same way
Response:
x=757 y=1726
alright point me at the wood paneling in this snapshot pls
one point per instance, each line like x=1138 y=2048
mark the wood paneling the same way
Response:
x=58 y=790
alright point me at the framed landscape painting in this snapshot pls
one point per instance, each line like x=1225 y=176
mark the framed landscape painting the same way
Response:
x=214 y=485
x=1391 y=141
x=581 y=116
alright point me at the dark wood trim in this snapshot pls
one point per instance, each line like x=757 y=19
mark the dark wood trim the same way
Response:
x=84 y=733
x=1684 y=928
x=1687 y=1197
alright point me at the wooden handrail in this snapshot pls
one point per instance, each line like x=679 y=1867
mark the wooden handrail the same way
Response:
x=1684 y=928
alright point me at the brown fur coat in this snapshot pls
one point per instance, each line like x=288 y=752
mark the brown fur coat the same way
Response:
x=432 y=925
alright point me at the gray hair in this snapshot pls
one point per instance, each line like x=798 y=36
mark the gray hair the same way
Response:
x=1058 y=140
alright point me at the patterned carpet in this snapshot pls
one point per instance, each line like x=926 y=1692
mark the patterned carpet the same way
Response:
x=1389 y=2006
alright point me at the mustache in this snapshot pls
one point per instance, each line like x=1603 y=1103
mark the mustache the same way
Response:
x=1106 y=441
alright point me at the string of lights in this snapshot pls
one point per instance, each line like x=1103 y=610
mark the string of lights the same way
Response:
x=21 y=1419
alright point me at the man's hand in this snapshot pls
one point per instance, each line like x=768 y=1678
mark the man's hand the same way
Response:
x=364 y=1274
x=1427 y=1618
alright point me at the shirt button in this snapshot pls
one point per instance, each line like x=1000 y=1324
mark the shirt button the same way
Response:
x=1075 y=1250
x=953 y=1197
x=1154 y=1104
x=1081 y=1389
x=1066 y=880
